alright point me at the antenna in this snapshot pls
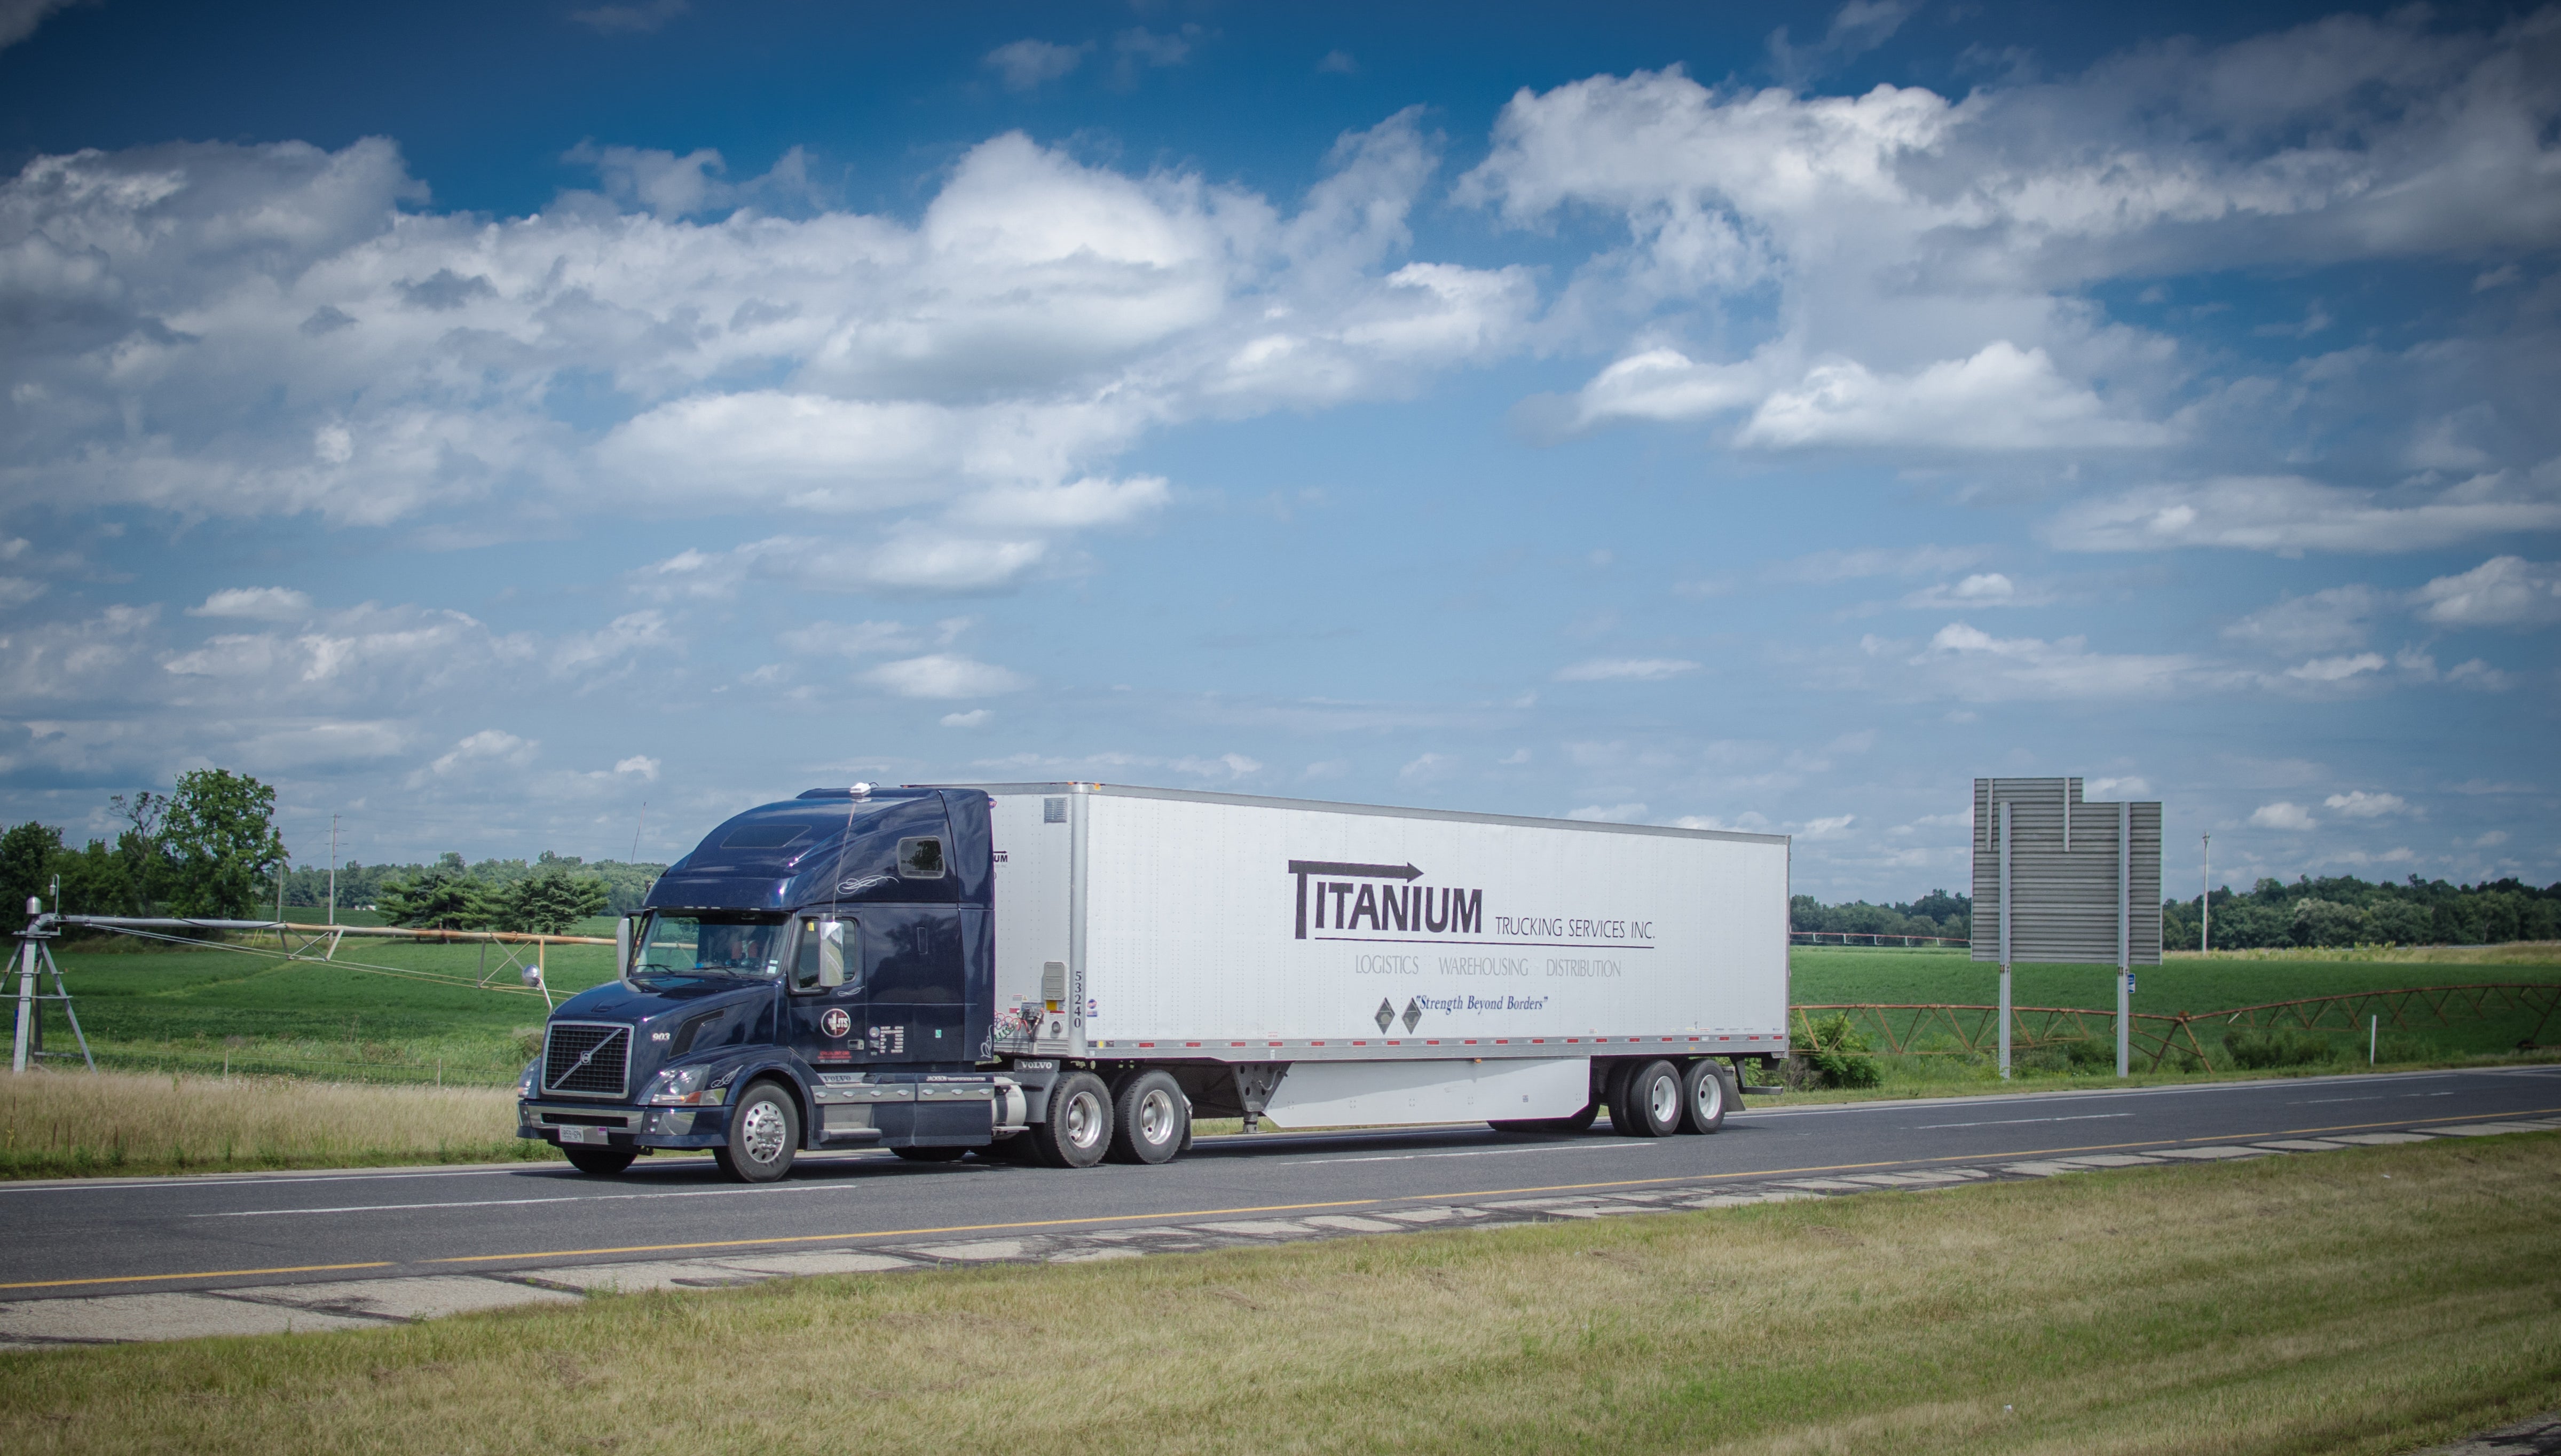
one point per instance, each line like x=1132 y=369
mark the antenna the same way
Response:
x=635 y=830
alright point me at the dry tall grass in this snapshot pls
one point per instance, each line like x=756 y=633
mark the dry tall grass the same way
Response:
x=57 y=1124
x=2365 y=1301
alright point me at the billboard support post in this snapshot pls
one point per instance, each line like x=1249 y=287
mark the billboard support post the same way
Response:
x=2004 y=941
x=2124 y=938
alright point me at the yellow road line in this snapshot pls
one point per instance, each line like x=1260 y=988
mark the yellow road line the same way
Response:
x=200 y=1274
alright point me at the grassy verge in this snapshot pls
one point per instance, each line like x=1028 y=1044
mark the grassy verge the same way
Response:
x=2365 y=1301
x=57 y=1124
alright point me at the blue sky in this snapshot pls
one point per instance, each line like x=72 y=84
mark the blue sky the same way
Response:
x=481 y=422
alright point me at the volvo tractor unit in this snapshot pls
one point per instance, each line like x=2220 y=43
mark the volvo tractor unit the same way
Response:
x=1071 y=972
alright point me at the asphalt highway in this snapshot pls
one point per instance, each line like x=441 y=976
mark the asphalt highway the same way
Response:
x=79 y=1237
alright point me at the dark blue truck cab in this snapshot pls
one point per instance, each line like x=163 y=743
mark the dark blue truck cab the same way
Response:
x=818 y=973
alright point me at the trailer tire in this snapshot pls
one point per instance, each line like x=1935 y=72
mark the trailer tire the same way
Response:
x=1648 y=1104
x=1078 y=1130
x=600 y=1161
x=1705 y=1095
x=1614 y=1094
x=932 y=1155
x=1151 y=1118
x=763 y=1135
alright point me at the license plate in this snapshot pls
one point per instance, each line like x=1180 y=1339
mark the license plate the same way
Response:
x=581 y=1135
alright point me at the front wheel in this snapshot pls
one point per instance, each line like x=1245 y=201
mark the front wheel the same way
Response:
x=1078 y=1131
x=763 y=1135
x=603 y=1162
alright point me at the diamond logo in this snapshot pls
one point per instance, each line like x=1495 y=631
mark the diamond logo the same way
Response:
x=1413 y=1012
x=1386 y=1015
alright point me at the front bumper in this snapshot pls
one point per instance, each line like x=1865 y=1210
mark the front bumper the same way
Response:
x=624 y=1127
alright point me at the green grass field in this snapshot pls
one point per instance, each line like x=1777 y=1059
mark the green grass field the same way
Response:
x=200 y=1009
x=203 y=1010
x=1835 y=976
x=2366 y=1301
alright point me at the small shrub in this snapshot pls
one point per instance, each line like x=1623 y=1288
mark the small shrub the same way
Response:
x=1838 y=1054
x=2268 y=1051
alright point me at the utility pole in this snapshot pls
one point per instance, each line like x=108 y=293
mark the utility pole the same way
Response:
x=2205 y=902
x=333 y=869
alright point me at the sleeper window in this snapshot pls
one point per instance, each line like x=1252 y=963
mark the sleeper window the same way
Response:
x=920 y=859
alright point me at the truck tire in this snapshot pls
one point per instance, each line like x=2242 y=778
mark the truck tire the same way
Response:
x=602 y=1162
x=1648 y=1104
x=1151 y=1118
x=1078 y=1131
x=932 y=1155
x=1705 y=1094
x=1614 y=1093
x=763 y=1135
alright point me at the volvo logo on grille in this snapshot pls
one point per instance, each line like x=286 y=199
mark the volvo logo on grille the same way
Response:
x=835 y=1023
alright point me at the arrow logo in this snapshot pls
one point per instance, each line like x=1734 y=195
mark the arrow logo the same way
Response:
x=1386 y=1015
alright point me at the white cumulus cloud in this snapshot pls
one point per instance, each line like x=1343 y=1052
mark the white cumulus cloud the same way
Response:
x=2283 y=815
x=944 y=674
x=2504 y=592
x=1625 y=670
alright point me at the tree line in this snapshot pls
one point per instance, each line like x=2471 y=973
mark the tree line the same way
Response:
x=209 y=849
x=1938 y=913
x=2341 y=910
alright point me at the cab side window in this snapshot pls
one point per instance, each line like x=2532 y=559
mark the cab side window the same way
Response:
x=920 y=859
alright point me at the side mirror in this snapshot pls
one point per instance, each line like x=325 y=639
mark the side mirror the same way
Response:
x=622 y=947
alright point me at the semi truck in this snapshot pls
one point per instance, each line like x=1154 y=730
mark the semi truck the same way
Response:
x=1073 y=972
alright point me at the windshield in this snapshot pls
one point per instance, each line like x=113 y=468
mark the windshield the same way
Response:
x=679 y=944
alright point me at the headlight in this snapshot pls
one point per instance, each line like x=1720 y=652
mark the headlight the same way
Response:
x=682 y=1086
x=525 y=1084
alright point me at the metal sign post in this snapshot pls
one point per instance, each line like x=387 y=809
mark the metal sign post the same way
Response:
x=2124 y=938
x=2004 y=941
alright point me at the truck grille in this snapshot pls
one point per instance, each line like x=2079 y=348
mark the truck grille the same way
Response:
x=587 y=1059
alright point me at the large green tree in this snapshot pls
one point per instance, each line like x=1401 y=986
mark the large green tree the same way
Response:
x=27 y=854
x=220 y=838
x=443 y=896
x=549 y=902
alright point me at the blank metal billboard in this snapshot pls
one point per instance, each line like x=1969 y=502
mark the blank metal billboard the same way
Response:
x=2064 y=893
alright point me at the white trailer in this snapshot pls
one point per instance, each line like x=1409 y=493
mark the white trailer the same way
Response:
x=1330 y=964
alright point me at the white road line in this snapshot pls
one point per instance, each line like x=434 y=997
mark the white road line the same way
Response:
x=2014 y=1121
x=1480 y=1153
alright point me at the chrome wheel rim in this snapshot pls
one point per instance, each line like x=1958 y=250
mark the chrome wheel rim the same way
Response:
x=1663 y=1099
x=762 y=1135
x=1084 y=1119
x=1155 y=1118
x=1711 y=1097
